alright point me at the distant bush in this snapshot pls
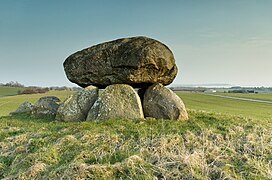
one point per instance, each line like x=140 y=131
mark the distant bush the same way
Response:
x=64 y=88
x=33 y=91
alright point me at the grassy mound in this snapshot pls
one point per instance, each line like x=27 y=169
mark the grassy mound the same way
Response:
x=208 y=146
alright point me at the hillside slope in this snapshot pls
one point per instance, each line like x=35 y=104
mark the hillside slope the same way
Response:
x=211 y=145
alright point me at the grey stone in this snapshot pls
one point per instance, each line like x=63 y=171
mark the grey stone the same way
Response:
x=137 y=61
x=76 y=107
x=162 y=103
x=46 y=107
x=119 y=101
x=25 y=108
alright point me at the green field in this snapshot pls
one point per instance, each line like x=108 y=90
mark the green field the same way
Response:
x=264 y=97
x=223 y=139
x=254 y=110
x=9 y=91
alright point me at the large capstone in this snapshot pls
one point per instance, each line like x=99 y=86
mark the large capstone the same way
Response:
x=76 y=107
x=138 y=61
x=119 y=101
x=46 y=107
x=162 y=103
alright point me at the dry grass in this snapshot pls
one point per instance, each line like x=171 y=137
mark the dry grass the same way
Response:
x=137 y=150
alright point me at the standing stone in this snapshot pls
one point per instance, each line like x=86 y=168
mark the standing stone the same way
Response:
x=46 y=107
x=76 y=107
x=25 y=108
x=137 y=61
x=162 y=103
x=119 y=101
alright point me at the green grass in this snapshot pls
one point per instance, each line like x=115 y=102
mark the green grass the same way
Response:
x=200 y=101
x=221 y=140
x=9 y=91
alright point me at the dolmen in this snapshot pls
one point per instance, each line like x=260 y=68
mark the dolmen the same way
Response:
x=120 y=79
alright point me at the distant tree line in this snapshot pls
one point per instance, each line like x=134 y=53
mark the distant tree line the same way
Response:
x=12 y=84
x=39 y=90
x=243 y=91
x=36 y=89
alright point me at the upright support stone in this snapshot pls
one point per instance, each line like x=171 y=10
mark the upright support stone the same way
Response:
x=162 y=103
x=118 y=101
x=46 y=107
x=76 y=107
x=25 y=108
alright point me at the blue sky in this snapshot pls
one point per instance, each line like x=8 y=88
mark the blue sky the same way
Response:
x=214 y=41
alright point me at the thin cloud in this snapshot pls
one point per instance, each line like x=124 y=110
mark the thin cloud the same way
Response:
x=211 y=34
x=258 y=42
